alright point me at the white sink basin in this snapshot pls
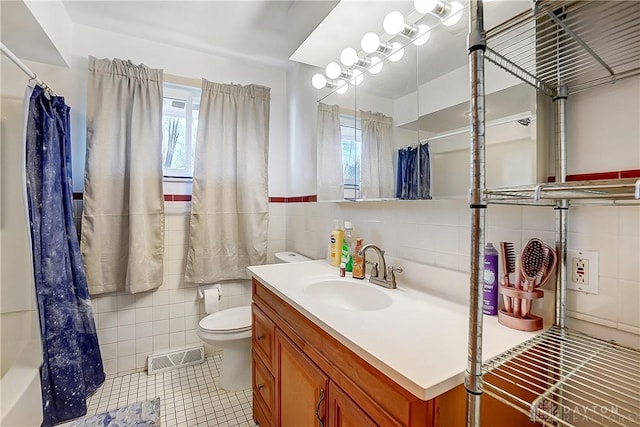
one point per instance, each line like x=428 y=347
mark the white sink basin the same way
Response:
x=348 y=295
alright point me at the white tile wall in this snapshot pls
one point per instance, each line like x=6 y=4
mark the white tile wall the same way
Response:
x=130 y=327
x=437 y=232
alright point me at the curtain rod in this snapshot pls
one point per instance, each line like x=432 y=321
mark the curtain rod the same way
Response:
x=32 y=76
x=516 y=118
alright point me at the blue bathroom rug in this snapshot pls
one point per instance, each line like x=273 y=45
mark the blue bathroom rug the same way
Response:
x=141 y=414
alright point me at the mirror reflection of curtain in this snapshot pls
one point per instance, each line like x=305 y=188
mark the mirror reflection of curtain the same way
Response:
x=377 y=164
x=330 y=168
x=123 y=218
x=230 y=201
x=414 y=173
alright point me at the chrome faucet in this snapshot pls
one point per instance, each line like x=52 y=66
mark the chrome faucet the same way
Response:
x=388 y=279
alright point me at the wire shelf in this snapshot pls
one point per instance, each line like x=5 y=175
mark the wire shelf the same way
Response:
x=579 y=44
x=563 y=377
x=606 y=191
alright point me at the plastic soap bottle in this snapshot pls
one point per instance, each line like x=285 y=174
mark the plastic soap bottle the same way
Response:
x=335 y=245
x=358 y=261
x=347 y=246
x=490 y=288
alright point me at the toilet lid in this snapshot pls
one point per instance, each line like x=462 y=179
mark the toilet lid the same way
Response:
x=229 y=320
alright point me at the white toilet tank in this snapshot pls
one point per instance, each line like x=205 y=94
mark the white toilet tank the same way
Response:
x=288 y=256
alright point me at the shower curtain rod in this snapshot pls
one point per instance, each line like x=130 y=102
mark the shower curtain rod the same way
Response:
x=488 y=125
x=32 y=76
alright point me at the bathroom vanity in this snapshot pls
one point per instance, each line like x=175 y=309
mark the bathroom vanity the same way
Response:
x=323 y=360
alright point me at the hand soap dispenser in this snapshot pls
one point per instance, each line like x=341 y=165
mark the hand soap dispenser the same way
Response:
x=335 y=245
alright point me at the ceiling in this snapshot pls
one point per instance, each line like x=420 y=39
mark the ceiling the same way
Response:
x=255 y=30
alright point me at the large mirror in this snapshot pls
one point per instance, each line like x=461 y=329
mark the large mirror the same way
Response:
x=403 y=133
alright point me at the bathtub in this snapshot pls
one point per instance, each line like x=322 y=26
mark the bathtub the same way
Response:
x=20 y=361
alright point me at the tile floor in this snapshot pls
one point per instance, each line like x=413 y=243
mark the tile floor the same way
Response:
x=188 y=396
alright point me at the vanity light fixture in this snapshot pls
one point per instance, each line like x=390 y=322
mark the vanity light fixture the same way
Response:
x=370 y=43
x=341 y=87
x=437 y=7
x=424 y=34
x=349 y=57
x=449 y=11
x=333 y=70
x=393 y=23
x=397 y=52
x=318 y=81
x=454 y=16
x=376 y=65
x=356 y=77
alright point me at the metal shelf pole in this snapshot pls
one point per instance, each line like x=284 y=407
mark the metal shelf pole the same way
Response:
x=476 y=48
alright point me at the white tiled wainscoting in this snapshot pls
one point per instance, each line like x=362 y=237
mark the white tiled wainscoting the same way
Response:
x=131 y=327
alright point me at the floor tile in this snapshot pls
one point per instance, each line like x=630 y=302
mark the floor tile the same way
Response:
x=188 y=396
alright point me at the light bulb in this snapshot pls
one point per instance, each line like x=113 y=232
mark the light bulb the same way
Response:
x=318 y=81
x=376 y=65
x=342 y=87
x=370 y=42
x=333 y=70
x=397 y=52
x=393 y=23
x=357 y=77
x=424 y=6
x=424 y=33
x=455 y=15
x=348 y=57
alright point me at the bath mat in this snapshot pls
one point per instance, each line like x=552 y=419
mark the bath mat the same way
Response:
x=141 y=414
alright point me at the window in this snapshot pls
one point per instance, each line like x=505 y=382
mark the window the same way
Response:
x=351 y=151
x=179 y=126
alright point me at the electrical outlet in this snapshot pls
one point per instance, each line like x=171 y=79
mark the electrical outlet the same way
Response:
x=583 y=271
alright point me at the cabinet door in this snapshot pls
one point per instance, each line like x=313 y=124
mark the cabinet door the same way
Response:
x=344 y=412
x=302 y=387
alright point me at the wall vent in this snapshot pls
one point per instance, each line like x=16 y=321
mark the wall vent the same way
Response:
x=161 y=362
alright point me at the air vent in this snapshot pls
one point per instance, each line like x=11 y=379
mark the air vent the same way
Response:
x=161 y=362
x=178 y=104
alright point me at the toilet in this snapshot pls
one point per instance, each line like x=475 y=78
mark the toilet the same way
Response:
x=230 y=331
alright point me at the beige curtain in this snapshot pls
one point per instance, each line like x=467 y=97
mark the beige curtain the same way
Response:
x=377 y=179
x=123 y=215
x=229 y=204
x=329 y=140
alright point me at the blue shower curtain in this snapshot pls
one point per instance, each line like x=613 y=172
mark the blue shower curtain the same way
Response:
x=72 y=364
x=413 y=180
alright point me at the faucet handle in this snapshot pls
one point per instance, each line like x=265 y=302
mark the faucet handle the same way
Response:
x=374 y=268
x=391 y=270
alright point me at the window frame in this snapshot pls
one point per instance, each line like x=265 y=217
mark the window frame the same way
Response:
x=191 y=95
x=348 y=121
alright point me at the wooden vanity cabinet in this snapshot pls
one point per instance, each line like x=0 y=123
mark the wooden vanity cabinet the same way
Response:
x=302 y=376
x=312 y=371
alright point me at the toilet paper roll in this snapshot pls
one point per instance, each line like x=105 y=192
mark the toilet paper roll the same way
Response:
x=211 y=300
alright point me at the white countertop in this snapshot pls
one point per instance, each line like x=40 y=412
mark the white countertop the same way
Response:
x=419 y=340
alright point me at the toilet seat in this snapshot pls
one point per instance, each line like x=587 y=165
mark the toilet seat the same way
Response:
x=229 y=321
